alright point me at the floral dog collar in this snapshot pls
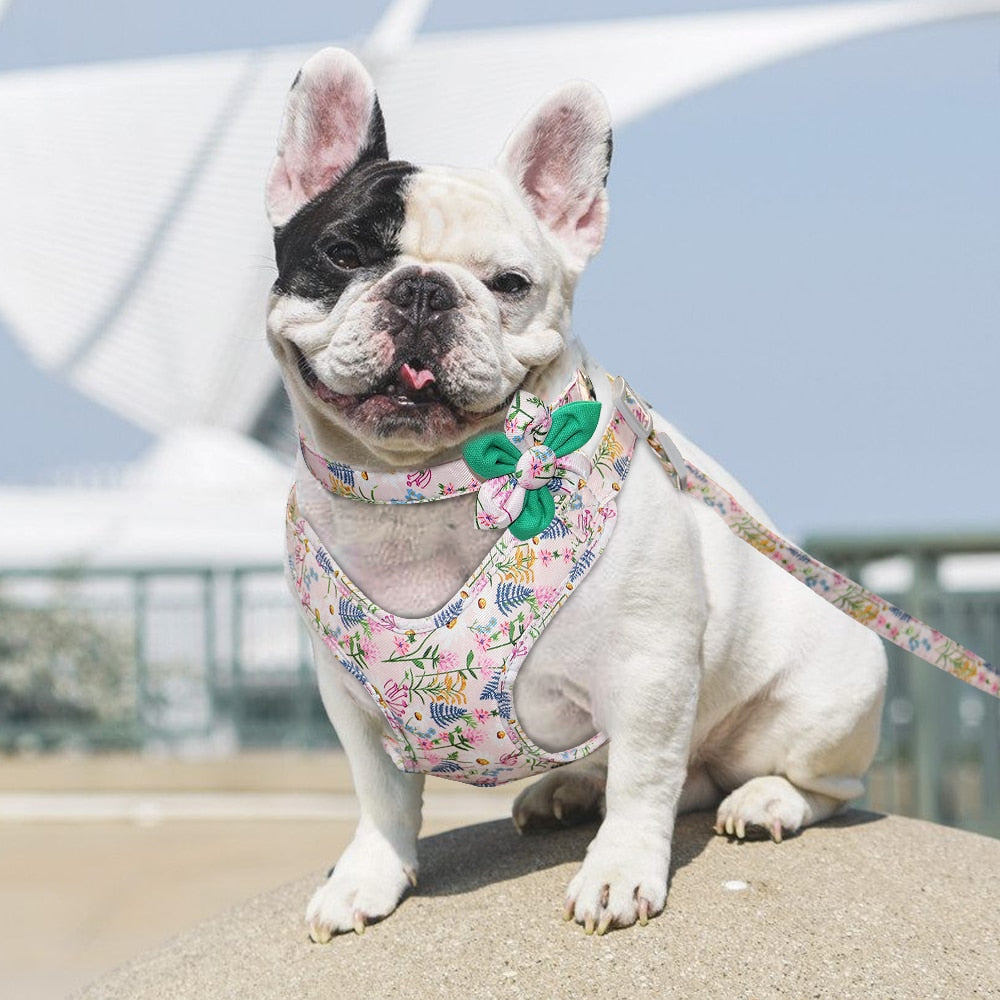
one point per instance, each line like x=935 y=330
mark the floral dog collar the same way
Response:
x=527 y=415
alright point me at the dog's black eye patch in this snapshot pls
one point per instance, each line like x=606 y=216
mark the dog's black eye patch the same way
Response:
x=350 y=229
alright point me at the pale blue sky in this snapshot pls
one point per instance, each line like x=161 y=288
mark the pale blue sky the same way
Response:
x=801 y=269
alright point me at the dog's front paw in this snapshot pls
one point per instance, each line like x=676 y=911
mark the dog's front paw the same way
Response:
x=622 y=880
x=768 y=806
x=366 y=885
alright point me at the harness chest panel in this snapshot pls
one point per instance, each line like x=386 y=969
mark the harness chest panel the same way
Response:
x=444 y=683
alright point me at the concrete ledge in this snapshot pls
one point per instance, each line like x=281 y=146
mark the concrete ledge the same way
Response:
x=864 y=906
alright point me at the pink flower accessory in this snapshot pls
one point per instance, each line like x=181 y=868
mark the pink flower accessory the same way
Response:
x=521 y=467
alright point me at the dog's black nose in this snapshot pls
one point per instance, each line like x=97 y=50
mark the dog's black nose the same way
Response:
x=419 y=297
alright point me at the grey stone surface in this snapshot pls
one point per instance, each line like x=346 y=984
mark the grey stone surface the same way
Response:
x=864 y=906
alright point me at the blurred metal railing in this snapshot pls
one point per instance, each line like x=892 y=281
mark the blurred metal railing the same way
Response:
x=939 y=757
x=173 y=657
x=217 y=659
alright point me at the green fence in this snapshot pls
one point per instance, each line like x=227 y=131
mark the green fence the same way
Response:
x=191 y=658
x=217 y=660
x=939 y=757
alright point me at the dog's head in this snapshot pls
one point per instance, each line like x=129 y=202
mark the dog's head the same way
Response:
x=411 y=302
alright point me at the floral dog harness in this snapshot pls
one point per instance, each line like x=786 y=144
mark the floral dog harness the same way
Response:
x=444 y=682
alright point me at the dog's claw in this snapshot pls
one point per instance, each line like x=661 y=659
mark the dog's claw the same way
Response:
x=776 y=831
x=604 y=924
x=730 y=827
x=741 y=828
x=568 y=910
x=359 y=922
x=588 y=926
x=320 y=934
x=411 y=877
x=643 y=912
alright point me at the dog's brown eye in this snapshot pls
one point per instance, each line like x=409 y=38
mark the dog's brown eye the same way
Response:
x=509 y=283
x=342 y=255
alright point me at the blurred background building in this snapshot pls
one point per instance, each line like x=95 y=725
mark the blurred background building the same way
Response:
x=801 y=272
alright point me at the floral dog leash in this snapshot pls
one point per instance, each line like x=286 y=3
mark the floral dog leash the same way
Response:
x=872 y=611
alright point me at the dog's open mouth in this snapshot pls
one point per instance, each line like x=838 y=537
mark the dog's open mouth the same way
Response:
x=412 y=385
x=410 y=400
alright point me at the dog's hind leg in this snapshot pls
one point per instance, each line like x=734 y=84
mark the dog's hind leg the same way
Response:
x=772 y=806
x=699 y=791
x=564 y=797
x=800 y=755
x=575 y=794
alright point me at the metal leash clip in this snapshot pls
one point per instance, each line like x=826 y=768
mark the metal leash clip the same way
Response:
x=638 y=415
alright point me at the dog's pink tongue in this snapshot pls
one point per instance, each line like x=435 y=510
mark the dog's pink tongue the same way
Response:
x=413 y=379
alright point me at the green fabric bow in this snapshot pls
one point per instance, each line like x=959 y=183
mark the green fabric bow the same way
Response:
x=495 y=456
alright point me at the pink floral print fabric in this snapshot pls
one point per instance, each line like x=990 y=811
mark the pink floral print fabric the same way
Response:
x=444 y=683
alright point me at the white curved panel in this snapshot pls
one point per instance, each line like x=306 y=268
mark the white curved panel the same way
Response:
x=89 y=161
x=136 y=188
x=199 y=497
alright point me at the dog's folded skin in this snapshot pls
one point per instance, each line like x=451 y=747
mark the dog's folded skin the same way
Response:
x=410 y=304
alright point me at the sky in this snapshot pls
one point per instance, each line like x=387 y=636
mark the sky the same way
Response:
x=800 y=272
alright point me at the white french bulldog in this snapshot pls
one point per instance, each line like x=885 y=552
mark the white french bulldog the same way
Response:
x=410 y=304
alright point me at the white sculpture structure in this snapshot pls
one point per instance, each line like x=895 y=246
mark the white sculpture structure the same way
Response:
x=143 y=189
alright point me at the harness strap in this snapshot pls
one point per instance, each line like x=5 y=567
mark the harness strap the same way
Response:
x=854 y=600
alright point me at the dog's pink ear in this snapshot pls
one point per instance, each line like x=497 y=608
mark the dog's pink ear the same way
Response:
x=559 y=157
x=332 y=121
